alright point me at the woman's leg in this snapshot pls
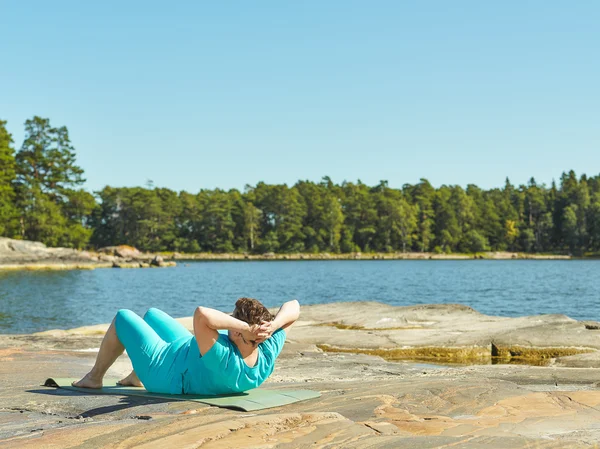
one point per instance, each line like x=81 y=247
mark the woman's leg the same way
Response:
x=129 y=331
x=110 y=349
x=167 y=328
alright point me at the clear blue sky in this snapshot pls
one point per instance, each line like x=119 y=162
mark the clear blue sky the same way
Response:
x=198 y=95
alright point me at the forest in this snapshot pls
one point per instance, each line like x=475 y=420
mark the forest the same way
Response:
x=42 y=199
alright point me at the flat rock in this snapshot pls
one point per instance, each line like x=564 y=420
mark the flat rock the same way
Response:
x=24 y=254
x=24 y=251
x=376 y=326
x=452 y=331
x=366 y=400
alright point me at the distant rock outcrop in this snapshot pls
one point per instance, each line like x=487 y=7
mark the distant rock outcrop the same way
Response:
x=124 y=251
x=25 y=254
x=158 y=261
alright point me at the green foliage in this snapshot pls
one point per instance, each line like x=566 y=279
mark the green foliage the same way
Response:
x=323 y=216
x=593 y=222
x=140 y=217
x=42 y=219
x=527 y=240
x=360 y=214
x=8 y=210
x=47 y=158
x=447 y=229
x=474 y=242
x=51 y=210
x=283 y=213
x=422 y=196
x=251 y=228
x=216 y=226
x=41 y=199
x=397 y=219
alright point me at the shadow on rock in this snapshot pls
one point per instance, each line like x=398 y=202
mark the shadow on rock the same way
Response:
x=124 y=402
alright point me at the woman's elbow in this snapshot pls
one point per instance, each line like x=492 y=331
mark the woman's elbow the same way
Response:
x=199 y=313
x=296 y=306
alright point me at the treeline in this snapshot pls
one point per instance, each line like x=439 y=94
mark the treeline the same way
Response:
x=41 y=199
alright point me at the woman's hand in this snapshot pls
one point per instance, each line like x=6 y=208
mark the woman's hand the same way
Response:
x=268 y=327
x=256 y=333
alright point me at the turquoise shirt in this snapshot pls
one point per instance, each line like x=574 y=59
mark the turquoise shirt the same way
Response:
x=223 y=370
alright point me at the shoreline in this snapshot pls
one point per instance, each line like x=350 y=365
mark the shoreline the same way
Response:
x=28 y=255
x=492 y=255
x=171 y=258
x=61 y=266
x=423 y=333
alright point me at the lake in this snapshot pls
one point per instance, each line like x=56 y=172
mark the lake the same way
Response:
x=34 y=301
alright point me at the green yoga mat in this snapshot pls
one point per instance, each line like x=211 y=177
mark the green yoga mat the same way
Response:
x=248 y=401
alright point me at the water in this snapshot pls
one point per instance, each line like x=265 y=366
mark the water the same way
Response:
x=35 y=301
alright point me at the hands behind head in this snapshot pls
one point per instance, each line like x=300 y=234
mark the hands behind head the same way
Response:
x=268 y=327
x=257 y=333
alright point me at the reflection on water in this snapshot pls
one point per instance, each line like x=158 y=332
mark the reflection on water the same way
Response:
x=32 y=300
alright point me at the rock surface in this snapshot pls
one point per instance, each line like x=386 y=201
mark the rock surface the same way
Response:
x=450 y=331
x=366 y=400
x=124 y=251
x=24 y=254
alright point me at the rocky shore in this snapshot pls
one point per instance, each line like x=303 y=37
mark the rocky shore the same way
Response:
x=427 y=376
x=492 y=255
x=27 y=255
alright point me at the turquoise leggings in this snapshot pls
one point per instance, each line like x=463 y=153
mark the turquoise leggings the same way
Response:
x=158 y=347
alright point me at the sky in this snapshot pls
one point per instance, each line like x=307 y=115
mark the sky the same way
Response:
x=197 y=95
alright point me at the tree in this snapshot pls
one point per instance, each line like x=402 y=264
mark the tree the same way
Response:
x=593 y=222
x=43 y=220
x=423 y=195
x=359 y=209
x=397 y=219
x=474 y=242
x=447 y=229
x=46 y=176
x=313 y=225
x=47 y=158
x=216 y=224
x=323 y=219
x=8 y=211
x=512 y=232
x=527 y=240
x=252 y=224
x=77 y=209
x=333 y=220
x=535 y=212
x=570 y=227
x=187 y=224
x=486 y=220
x=282 y=220
x=41 y=198
x=404 y=222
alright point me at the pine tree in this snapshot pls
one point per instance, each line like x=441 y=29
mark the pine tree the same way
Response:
x=8 y=211
x=46 y=177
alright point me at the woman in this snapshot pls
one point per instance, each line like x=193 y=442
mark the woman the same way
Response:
x=167 y=358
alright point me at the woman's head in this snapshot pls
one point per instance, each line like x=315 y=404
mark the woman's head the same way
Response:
x=251 y=311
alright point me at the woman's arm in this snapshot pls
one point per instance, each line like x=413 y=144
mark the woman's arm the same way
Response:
x=207 y=321
x=287 y=315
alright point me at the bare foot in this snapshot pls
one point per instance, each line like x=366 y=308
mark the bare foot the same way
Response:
x=131 y=381
x=88 y=382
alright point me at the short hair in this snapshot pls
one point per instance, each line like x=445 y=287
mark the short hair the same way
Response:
x=251 y=311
